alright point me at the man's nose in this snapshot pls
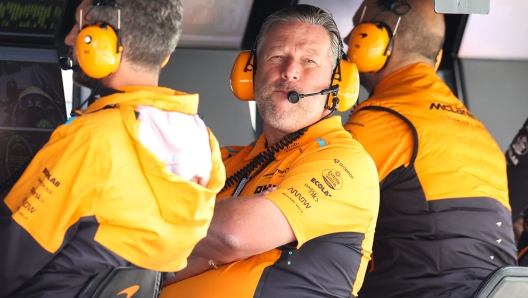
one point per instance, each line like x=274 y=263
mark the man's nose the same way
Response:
x=291 y=70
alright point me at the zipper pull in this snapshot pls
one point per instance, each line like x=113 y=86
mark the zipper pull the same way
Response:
x=240 y=187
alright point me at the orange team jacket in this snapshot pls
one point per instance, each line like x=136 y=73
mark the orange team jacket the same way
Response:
x=328 y=191
x=444 y=221
x=94 y=170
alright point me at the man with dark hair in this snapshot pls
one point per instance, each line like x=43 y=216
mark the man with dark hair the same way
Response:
x=130 y=180
x=296 y=217
x=517 y=159
x=444 y=222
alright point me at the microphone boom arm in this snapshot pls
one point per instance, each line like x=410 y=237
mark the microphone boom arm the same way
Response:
x=294 y=97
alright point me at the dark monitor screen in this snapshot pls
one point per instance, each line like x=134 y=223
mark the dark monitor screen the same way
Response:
x=32 y=103
x=30 y=21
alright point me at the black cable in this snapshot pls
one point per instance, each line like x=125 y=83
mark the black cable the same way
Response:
x=90 y=99
x=262 y=160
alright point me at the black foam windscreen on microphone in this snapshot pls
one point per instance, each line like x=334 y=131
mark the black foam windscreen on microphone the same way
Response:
x=294 y=97
x=66 y=63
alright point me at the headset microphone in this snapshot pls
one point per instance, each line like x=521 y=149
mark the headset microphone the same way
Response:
x=345 y=78
x=66 y=63
x=293 y=97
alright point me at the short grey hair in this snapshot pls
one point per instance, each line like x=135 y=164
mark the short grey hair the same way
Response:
x=307 y=14
x=150 y=29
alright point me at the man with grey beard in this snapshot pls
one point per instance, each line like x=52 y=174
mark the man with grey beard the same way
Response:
x=296 y=216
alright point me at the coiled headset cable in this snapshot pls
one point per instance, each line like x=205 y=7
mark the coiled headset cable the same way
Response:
x=261 y=161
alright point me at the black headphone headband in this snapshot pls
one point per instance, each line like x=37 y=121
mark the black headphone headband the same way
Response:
x=388 y=4
x=112 y=3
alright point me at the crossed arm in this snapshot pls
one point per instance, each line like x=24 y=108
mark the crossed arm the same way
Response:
x=241 y=227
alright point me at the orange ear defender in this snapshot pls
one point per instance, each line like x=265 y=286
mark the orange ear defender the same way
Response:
x=346 y=76
x=165 y=61
x=438 y=60
x=99 y=45
x=98 y=51
x=242 y=76
x=370 y=46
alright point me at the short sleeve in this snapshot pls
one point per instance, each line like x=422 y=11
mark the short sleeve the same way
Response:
x=332 y=189
x=44 y=212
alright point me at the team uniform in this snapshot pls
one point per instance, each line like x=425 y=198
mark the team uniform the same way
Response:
x=329 y=193
x=517 y=159
x=444 y=220
x=100 y=194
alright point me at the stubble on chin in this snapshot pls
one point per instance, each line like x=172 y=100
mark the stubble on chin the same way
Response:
x=265 y=104
x=271 y=112
x=80 y=78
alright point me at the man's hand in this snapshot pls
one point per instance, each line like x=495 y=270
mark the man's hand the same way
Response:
x=195 y=266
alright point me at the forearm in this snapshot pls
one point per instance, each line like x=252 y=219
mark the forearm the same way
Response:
x=222 y=244
x=242 y=227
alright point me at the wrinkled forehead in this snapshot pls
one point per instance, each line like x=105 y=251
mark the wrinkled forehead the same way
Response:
x=302 y=34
